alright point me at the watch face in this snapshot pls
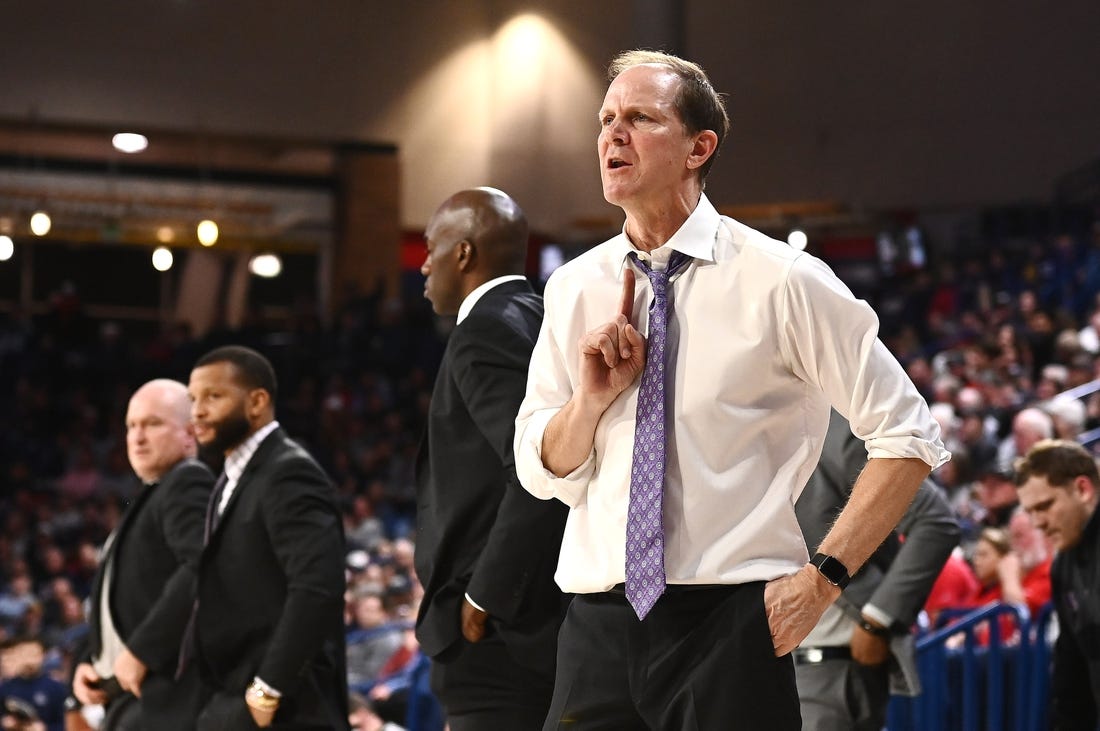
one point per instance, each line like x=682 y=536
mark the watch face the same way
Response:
x=832 y=569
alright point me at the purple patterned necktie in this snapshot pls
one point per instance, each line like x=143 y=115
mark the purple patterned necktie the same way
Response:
x=645 y=533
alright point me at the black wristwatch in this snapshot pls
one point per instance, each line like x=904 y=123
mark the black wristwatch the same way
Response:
x=832 y=569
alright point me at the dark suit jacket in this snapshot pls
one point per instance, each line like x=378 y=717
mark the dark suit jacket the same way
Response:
x=153 y=558
x=271 y=588
x=478 y=530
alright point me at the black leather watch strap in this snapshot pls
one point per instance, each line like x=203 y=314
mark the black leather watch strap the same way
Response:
x=832 y=569
x=874 y=629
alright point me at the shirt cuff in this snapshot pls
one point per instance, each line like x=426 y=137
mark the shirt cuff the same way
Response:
x=874 y=613
x=541 y=482
x=474 y=604
x=267 y=689
x=931 y=453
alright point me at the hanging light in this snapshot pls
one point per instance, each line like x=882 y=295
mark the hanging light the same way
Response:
x=797 y=239
x=266 y=265
x=207 y=232
x=130 y=142
x=162 y=258
x=7 y=247
x=40 y=223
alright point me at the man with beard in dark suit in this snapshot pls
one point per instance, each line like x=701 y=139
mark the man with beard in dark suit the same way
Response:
x=485 y=550
x=267 y=633
x=143 y=591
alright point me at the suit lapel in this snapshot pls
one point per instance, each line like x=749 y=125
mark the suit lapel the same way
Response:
x=113 y=542
x=258 y=459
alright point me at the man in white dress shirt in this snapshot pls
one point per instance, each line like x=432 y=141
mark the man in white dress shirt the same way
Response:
x=760 y=341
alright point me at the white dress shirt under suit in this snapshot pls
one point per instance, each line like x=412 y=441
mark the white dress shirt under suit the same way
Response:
x=762 y=340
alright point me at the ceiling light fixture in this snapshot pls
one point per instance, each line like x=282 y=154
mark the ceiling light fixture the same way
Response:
x=130 y=142
x=7 y=247
x=40 y=223
x=162 y=258
x=207 y=232
x=266 y=265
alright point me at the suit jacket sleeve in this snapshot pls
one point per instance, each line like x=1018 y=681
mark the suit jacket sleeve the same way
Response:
x=490 y=368
x=1071 y=707
x=307 y=536
x=181 y=514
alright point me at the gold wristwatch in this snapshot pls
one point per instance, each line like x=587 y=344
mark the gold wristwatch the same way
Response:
x=260 y=698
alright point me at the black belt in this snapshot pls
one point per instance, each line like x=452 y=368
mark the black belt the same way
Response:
x=620 y=589
x=814 y=655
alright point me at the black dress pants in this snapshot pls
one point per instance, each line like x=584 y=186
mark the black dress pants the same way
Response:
x=702 y=660
x=483 y=688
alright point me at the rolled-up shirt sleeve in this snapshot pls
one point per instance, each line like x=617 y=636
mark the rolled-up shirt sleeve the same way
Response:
x=831 y=340
x=549 y=388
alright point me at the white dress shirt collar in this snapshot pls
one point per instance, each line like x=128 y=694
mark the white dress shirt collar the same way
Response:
x=473 y=297
x=694 y=238
x=238 y=459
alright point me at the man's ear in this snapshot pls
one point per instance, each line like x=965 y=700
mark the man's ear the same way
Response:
x=1084 y=489
x=258 y=401
x=466 y=255
x=706 y=142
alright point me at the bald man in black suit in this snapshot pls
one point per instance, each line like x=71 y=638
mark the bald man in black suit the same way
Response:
x=486 y=550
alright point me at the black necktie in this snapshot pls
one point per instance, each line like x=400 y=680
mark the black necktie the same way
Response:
x=212 y=507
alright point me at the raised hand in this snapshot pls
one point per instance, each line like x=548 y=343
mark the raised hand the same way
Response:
x=613 y=354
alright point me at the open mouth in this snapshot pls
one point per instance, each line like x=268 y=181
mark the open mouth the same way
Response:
x=615 y=164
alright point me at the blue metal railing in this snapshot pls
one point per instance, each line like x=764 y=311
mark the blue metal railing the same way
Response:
x=984 y=682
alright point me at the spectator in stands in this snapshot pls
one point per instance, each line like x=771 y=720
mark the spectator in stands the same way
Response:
x=390 y=693
x=1052 y=381
x=371 y=640
x=1068 y=416
x=81 y=480
x=363 y=718
x=1000 y=579
x=24 y=680
x=1089 y=336
x=996 y=568
x=975 y=438
x=996 y=493
x=1029 y=426
x=955 y=586
x=1059 y=486
x=1030 y=550
x=1080 y=370
x=362 y=527
x=16 y=601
